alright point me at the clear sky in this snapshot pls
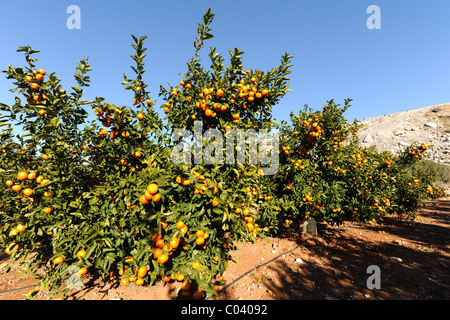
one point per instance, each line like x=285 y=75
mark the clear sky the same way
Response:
x=404 y=65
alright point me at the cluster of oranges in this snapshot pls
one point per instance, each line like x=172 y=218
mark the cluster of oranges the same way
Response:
x=417 y=152
x=248 y=218
x=23 y=176
x=151 y=194
x=213 y=99
x=35 y=94
x=108 y=118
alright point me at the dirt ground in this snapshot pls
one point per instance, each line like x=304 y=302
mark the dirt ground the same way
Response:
x=413 y=257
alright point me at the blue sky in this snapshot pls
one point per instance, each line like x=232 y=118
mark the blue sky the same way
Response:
x=404 y=65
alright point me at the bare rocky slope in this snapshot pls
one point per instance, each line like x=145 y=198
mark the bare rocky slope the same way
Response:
x=394 y=132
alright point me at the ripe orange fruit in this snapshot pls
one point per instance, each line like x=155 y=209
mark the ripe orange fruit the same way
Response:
x=165 y=279
x=45 y=157
x=164 y=224
x=34 y=86
x=180 y=277
x=156 y=236
x=184 y=230
x=22 y=175
x=200 y=241
x=160 y=243
x=16 y=188
x=41 y=71
x=156 y=197
x=199 y=233
x=58 y=260
x=142 y=271
x=152 y=188
x=137 y=154
x=198 y=294
x=47 y=194
x=215 y=203
x=196 y=265
x=219 y=93
x=29 y=78
x=163 y=258
x=82 y=271
x=148 y=196
x=132 y=278
x=9 y=183
x=143 y=200
x=124 y=282
x=31 y=175
x=140 y=116
x=174 y=242
x=39 y=77
x=157 y=252
x=81 y=254
x=246 y=212
x=39 y=179
x=20 y=228
x=139 y=282
x=250 y=227
x=208 y=112
x=28 y=192
x=235 y=116
x=186 y=286
x=180 y=225
x=129 y=260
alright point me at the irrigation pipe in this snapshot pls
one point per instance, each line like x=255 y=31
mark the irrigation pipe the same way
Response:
x=11 y=290
x=224 y=288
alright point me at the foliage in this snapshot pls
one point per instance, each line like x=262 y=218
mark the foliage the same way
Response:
x=106 y=198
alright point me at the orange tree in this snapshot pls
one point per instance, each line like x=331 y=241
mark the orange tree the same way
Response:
x=326 y=175
x=216 y=193
x=45 y=180
x=106 y=199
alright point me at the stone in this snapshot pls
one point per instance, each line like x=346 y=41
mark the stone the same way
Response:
x=338 y=272
x=310 y=227
x=298 y=260
x=368 y=139
x=396 y=259
x=430 y=125
x=399 y=133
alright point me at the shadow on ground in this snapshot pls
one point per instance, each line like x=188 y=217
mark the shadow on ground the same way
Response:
x=413 y=258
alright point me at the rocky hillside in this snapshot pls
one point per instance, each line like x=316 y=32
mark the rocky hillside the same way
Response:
x=393 y=132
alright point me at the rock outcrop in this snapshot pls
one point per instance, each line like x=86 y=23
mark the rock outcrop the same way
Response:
x=394 y=132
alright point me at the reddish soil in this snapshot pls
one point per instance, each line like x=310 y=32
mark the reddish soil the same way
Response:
x=413 y=257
